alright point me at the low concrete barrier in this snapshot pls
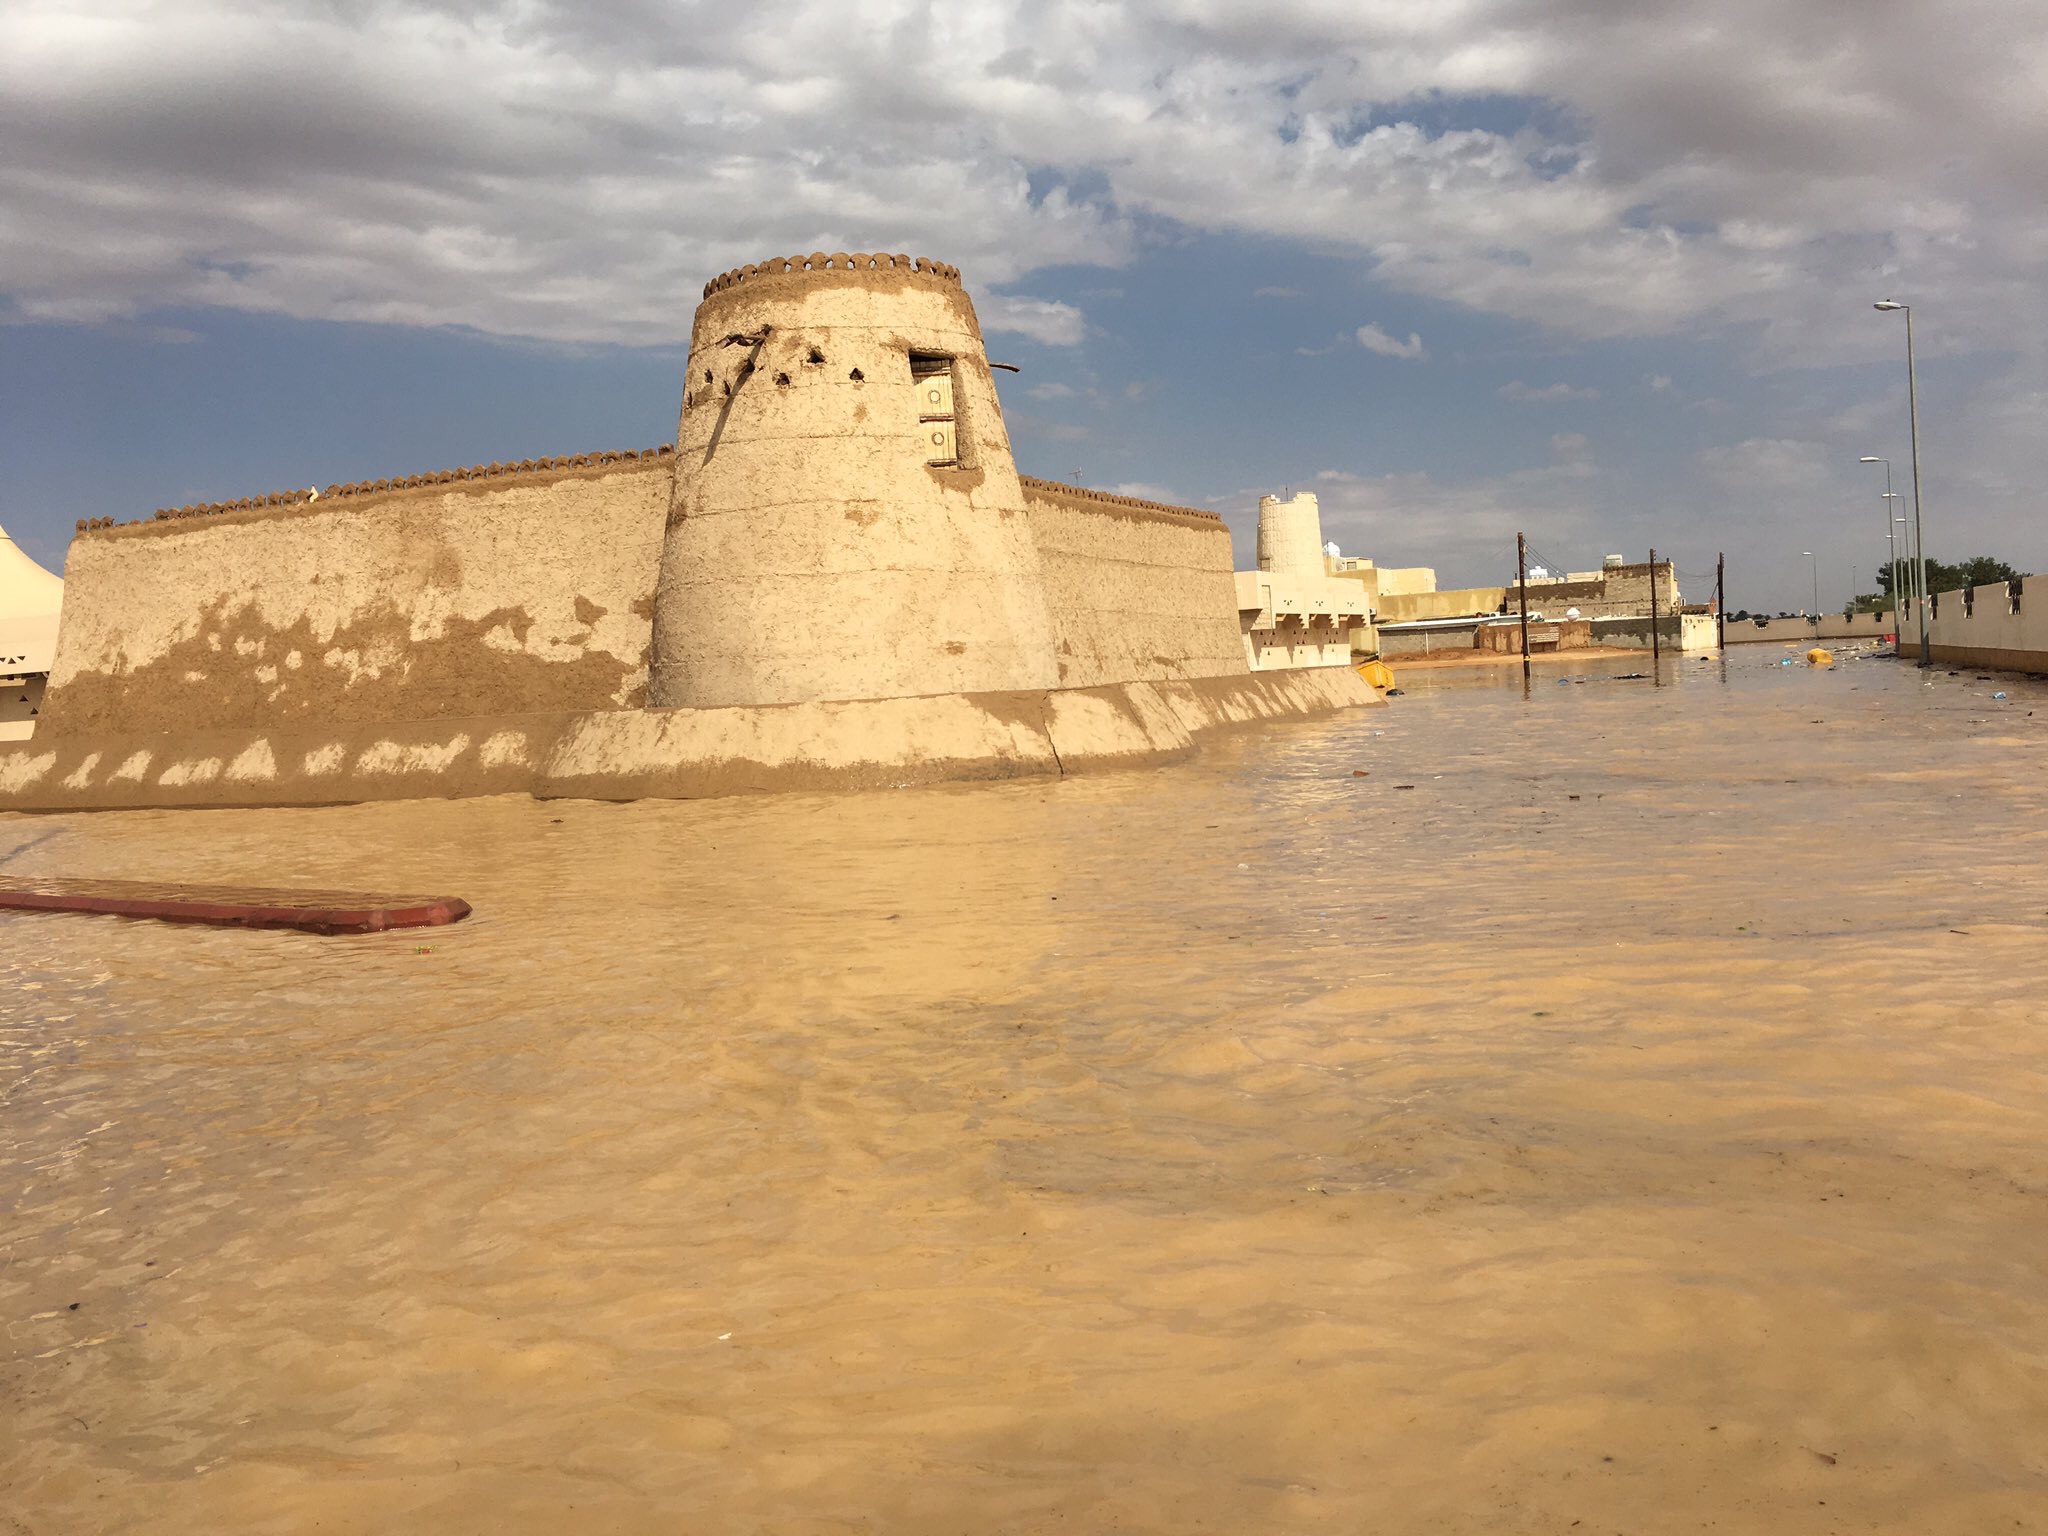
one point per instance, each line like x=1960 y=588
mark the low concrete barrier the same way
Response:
x=1864 y=626
x=1988 y=626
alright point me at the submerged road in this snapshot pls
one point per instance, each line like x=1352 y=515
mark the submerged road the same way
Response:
x=1617 y=1107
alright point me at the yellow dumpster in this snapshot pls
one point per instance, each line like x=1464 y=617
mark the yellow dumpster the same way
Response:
x=1378 y=673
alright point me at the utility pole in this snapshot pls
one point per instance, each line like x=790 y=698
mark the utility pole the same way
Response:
x=1656 y=650
x=1721 y=600
x=1522 y=584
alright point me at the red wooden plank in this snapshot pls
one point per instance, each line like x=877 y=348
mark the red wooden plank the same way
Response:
x=232 y=906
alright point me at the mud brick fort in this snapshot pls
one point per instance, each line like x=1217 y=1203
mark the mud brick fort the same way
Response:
x=835 y=576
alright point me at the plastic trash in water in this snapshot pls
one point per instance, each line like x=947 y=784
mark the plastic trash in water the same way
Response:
x=1786 y=662
x=1999 y=695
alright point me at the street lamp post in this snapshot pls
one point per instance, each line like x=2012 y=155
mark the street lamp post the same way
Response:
x=1897 y=611
x=1916 y=574
x=1913 y=420
x=1816 y=592
x=1898 y=538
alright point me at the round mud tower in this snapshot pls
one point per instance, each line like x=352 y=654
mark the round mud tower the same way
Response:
x=847 y=521
x=1291 y=534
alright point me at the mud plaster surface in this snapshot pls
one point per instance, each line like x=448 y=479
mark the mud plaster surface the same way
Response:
x=684 y=753
x=528 y=595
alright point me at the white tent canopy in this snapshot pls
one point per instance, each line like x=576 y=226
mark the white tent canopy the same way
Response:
x=30 y=598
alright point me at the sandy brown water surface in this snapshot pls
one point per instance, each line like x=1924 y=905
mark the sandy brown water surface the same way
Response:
x=1638 y=1125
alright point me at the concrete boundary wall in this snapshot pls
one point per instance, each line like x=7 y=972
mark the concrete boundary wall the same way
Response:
x=1136 y=591
x=1865 y=626
x=2003 y=625
x=1458 y=603
x=515 y=592
x=627 y=754
x=1676 y=632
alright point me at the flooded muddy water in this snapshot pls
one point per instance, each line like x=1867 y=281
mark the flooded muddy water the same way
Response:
x=1621 y=1109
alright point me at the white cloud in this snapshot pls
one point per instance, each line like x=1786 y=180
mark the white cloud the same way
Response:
x=1750 y=165
x=1571 y=445
x=1045 y=321
x=1657 y=383
x=1373 y=339
x=1276 y=293
x=1548 y=394
x=1051 y=391
x=1025 y=427
x=1770 y=471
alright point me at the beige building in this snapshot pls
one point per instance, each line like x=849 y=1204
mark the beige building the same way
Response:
x=1618 y=590
x=30 y=598
x=1291 y=611
x=1615 y=601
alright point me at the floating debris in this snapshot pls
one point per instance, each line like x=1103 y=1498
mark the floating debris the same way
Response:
x=231 y=906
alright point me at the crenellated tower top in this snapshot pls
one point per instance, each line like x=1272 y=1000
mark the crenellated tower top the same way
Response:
x=836 y=261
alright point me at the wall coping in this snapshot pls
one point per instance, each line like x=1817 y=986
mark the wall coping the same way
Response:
x=356 y=490
x=1110 y=499
x=836 y=261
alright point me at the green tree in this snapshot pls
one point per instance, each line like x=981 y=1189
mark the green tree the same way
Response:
x=1977 y=571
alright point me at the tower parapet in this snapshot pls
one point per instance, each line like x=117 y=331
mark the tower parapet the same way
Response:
x=837 y=261
x=847 y=521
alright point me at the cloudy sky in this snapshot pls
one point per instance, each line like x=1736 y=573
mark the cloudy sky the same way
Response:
x=1597 y=269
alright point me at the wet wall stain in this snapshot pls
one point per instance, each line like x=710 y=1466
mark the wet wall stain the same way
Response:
x=238 y=671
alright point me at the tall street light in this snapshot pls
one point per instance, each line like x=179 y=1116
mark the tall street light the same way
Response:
x=1913 y=417
x=1816 y=592
x=1898 y=535
x=1916 y=574
x=1889 y=540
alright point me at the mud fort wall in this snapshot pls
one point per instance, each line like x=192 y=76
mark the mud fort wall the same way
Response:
x=502 y=589
x=1136 y=591
x=841 y=521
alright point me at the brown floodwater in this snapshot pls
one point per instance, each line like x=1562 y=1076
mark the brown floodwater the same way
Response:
x=1625 y=1109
